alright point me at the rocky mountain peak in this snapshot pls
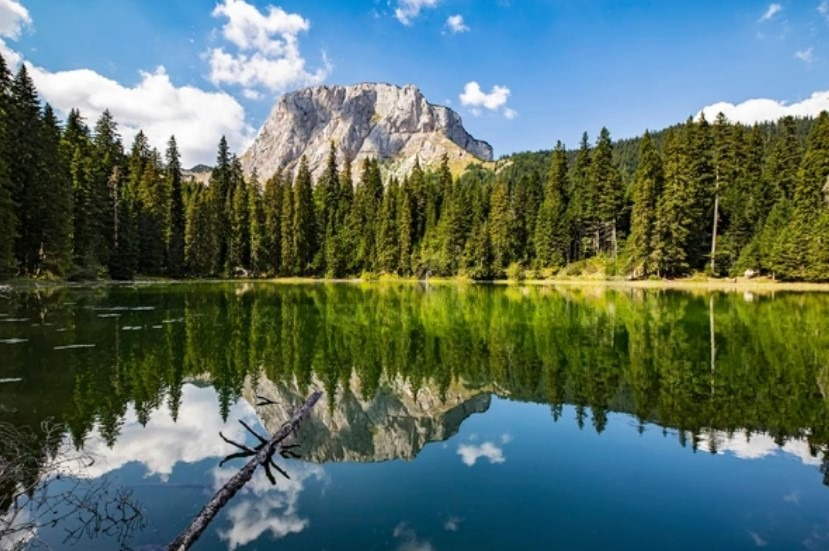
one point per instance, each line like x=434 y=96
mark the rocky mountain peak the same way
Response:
x=393 y=124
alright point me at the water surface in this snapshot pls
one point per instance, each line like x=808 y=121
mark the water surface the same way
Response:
x=454 y=416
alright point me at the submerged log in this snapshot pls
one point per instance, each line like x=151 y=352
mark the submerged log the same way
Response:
x=262 y=457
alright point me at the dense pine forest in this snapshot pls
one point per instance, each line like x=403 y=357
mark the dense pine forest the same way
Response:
x=713 y=197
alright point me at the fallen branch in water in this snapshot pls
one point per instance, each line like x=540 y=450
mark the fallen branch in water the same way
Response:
x=263 y=456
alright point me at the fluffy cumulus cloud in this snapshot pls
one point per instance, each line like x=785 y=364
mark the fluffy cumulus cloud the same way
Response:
x=470 y=454
x=14 y=17
x=456 y=24
x=823 y=9
x=265 y=49
x=197 y=118
x=163 y=442
x=266 y=509
x=408 y=10
x=770 y=12
x=155 y=105
x=759 y=110
x=474 y=98
x=758 y=446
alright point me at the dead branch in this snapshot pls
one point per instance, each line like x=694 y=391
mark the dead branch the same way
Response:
x=263 y=456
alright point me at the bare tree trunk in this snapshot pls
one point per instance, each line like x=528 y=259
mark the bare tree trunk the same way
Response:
x=615 y=243
x=716 y=219
x=713 y=344
x=226 y=492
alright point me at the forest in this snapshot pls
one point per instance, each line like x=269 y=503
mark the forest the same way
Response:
x=716 y=198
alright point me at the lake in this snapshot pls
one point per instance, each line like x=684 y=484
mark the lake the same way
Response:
x=454 y=417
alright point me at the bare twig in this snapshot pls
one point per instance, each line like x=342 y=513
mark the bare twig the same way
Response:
x=263 y=456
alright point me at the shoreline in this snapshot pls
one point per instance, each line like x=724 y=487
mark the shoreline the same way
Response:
x=711 y=285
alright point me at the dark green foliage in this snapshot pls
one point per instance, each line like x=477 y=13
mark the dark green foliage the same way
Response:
x=201 y=243
x=23 y=165
x=272 y=226
x=303 y=228
x=552 y=228
x=648 y=184
x=720 y=198
x=8 y=213
x=177 y=221
x=259 y=252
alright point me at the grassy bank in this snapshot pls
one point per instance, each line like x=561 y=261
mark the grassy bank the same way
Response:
x=696 y=283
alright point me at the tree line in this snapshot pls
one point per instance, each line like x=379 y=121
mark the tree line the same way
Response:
x=715 y=197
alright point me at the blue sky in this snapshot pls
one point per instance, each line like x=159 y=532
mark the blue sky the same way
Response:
x=543 y=69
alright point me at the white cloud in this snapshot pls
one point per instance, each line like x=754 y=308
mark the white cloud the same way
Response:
x=488 y=450
x=760 y=110
x=807 y=56
x=452 y=524
x=496 y=100
x=409 y=540
x=771 y=11
x=823 y=9
x=267 y=49
x=163 y=443
x=456 y=25
x=758 y=446
x=264 y=508
x=155 y=105
x=408 y=10
x=14 y=17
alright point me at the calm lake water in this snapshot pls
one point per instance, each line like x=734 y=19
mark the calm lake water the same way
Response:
x=454 y=417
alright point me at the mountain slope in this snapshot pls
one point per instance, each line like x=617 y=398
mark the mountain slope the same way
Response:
x=370 y=120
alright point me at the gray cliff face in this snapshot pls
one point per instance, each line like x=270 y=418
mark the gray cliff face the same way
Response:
x=395 y=424
x=369 y=120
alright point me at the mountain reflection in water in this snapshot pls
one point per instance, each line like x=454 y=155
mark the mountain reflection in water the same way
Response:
x=403 y=366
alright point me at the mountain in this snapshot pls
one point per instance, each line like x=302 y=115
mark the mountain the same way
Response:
x=370 y=120
x=395 y=423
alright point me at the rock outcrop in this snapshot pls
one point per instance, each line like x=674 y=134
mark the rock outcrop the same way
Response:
x=392 y=124
x=395 y=424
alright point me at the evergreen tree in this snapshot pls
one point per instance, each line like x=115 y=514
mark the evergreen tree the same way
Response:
x=23 y=131
x=201 y=246
x=303 y=228
x=702 y=180
x=581 y=207
x=811 y=198
x=239 y=241
x=648 y=185
x=8 y=210
x=152 y=214
x=175 y=239
x=405 y=227
x=501 y=228
x=673 y=223
x=272 y=231
x=221 y=190
x=77 y=155
x=108 y=169
x=387 y=246
x=607 y=193
x=55 y=255
x=259 y=253
x=552 y=228
x=368 y=198
x=783 y=163
x=288 y=243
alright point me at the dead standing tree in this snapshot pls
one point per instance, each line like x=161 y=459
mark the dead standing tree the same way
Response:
x=262 y=454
